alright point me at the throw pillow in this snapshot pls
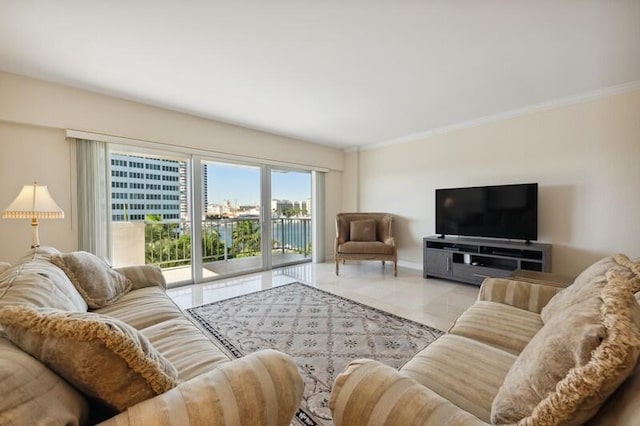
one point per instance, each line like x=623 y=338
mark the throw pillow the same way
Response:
x=362 y=230
x=588 y=284
x=101 y=356
x=98 y=284
x=577 y=360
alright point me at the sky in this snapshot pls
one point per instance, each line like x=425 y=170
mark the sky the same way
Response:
x=241 y=184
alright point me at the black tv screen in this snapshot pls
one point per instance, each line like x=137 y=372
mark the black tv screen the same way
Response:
x=503 y=211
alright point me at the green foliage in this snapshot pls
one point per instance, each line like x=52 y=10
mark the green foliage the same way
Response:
x=169 y=244
x=245 y=239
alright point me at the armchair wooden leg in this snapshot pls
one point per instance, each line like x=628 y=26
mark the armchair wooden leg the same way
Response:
x=383 y=263
x=337 y=266
x=395 y=268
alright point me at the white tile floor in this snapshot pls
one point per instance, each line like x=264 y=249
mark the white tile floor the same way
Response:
x=429 y=301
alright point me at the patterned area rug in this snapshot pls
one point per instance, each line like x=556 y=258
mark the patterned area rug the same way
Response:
x=323 y=332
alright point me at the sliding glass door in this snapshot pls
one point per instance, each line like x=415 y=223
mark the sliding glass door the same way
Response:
x=290 y=216
x=200 y=219
x=231 y=219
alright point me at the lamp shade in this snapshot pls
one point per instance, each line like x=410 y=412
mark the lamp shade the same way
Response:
x=33 y=201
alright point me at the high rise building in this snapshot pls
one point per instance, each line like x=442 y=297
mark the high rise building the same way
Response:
x=141 y=186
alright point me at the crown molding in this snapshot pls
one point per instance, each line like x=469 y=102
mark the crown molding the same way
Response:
x=545 y=106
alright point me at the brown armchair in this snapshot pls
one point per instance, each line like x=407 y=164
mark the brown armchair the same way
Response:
x=365 y=236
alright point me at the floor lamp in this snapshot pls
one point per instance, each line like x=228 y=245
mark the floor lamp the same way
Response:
x=33 y=202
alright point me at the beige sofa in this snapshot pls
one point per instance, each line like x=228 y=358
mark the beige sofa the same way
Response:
x=262 y=388
x=528 y=351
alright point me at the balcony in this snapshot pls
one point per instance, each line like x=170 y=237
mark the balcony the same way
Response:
x=229 y=246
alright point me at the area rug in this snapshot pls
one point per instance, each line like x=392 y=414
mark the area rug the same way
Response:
x=323 y=332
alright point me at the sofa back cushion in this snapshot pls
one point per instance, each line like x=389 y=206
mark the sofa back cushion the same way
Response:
x=33 y=394
x=36 y=282
x=577 y=359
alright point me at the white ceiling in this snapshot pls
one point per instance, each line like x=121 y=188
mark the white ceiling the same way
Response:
x=341 y=73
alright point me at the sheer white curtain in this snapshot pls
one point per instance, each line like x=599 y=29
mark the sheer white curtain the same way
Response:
x=94 y=235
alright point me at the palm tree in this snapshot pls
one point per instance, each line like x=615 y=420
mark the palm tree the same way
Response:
x=245 y=239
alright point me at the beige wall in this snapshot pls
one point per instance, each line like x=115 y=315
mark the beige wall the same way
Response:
x=350 y=182
x=27 y=154
x=584 y=156
x=34 y=114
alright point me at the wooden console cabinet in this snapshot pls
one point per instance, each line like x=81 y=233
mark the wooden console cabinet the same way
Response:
x=471 y=260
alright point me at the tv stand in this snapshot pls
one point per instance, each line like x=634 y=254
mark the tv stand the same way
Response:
x=471 y=260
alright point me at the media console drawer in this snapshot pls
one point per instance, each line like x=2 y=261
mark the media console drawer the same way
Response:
x=476 y=274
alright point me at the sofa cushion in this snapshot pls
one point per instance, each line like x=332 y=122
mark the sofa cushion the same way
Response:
x=158 y=318
x=499 y=325
x=39 y=283
x=369 y=392
x=143 y=308
x=464 y=371
x=530 y=296
x=360 y=247
x=185 y=346
x=98 y=284
x=576 y=360
x=34 y=395
x=362 y=230
x=101 y=356
x=588 y=284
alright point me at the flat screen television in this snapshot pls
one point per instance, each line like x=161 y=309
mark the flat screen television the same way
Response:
x=502 y=211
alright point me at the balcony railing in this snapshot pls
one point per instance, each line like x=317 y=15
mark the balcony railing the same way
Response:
x=168 y=244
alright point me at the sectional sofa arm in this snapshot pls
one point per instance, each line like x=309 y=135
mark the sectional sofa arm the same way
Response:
x=263 y=388
x=143 y=276
x=369 y=392
x=520 y=294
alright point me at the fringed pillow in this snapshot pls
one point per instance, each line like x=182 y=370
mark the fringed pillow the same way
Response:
x=587 y=285
x=102 y=357
x=577 y=360
x=97 y=282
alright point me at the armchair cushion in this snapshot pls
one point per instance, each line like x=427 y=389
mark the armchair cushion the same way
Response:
x=361 y=247
x=363 y=230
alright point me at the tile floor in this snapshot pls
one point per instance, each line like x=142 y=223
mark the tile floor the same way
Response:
x=429 y=301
